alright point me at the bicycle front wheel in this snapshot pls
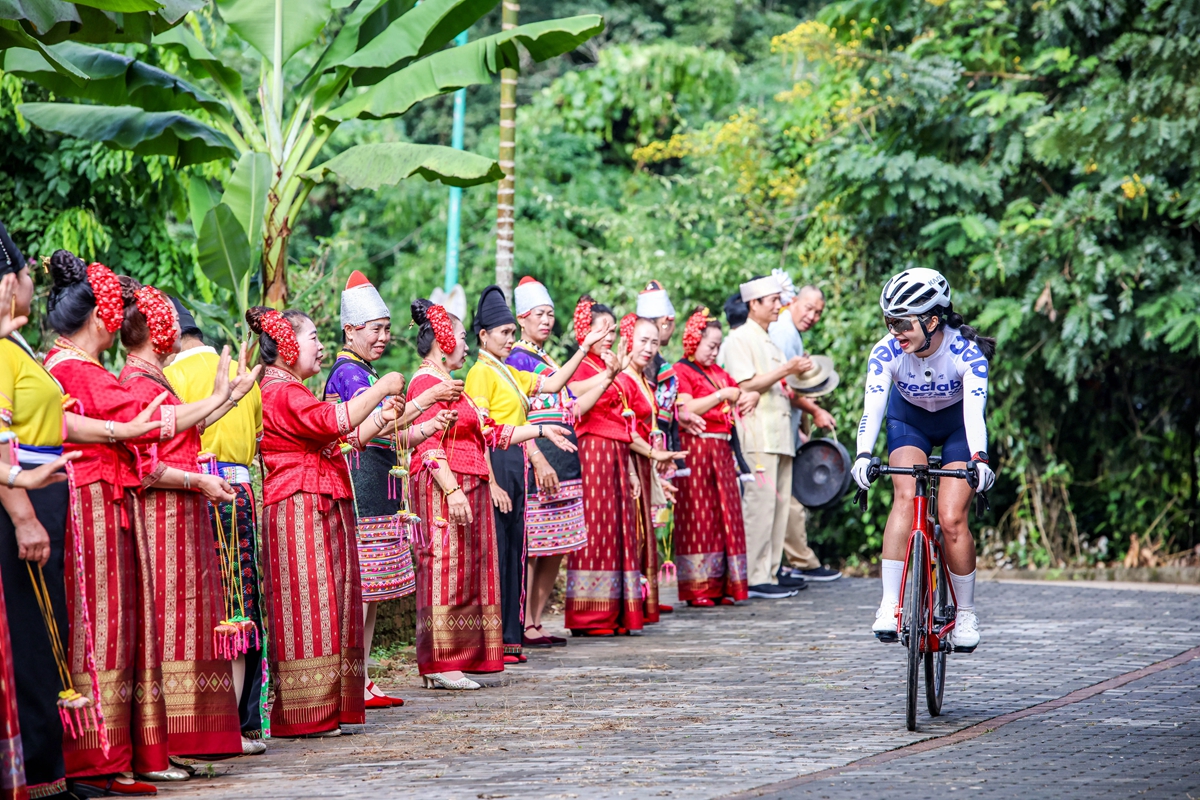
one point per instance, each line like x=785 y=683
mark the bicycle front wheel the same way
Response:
x=914 y=616
x=935 y=663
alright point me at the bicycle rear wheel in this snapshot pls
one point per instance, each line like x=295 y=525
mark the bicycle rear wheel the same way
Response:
x=914 y=616
x=935 y=663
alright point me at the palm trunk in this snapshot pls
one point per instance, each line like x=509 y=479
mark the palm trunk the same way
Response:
x=274 y=258
x=506 y=194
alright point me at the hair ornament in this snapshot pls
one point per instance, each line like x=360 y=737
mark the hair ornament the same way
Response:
x=107 y=291
x=443 y=328
x=693 y=331
x=160 y=318
x=275 y=325
x=628 y=323
x=583 y=318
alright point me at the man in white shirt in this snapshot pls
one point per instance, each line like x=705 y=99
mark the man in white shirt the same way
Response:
x=802 y=309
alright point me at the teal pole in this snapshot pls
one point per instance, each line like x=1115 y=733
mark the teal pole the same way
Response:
x=454 y=214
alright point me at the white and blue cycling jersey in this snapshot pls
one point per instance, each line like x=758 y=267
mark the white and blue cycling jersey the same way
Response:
x=938 y=400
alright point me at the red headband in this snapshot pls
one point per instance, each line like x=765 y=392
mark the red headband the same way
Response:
x=107 y=291
x=443 y=328
x=160 y=318
x=628 y=323
x=693 y=331
x=583 y=318
x=275 y=325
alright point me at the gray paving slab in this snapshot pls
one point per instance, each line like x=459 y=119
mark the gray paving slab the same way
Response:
x=711 y=702
x=1137 y=741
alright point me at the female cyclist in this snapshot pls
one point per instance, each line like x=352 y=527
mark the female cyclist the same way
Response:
x=929 y=377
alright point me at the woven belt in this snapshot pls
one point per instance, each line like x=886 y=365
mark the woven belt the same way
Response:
x=234 y=473
x=724 y=437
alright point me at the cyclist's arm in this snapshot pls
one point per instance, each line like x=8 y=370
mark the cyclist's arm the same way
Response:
x=975 y=391
x=875 y=399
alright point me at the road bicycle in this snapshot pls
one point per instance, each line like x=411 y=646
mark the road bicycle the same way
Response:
x=927 y=608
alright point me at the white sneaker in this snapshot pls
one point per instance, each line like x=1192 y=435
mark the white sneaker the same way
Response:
x=965 y=636
x=885 y=622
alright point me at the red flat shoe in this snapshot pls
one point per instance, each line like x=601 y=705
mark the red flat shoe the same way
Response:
x=110 y=787
x=379 y=702
x=521 y=659
x=585 y=632
x=512 y=659
x=728 y=601
x=703 y=602
x=663 y=608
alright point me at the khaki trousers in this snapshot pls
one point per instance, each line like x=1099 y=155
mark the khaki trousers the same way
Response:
x=795 y=544
x=765 y=507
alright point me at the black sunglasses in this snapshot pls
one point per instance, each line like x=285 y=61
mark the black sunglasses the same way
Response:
x=898 y=325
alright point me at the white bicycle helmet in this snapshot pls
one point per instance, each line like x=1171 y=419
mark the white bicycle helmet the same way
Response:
x=914 y=291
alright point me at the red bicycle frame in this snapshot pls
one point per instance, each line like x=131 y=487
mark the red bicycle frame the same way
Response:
x=922 y=536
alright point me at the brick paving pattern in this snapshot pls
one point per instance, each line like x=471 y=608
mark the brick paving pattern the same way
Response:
x=715 y=701
x=1136 y=741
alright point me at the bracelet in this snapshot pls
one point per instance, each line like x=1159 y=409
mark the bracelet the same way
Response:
x=110 y=427
x=452 y=491
x=187 y=480
x=424 y=435
x=418 y=405
x=13 y=472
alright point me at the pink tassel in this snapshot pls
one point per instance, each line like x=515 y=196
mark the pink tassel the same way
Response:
x=95 y=709
x=667 y=575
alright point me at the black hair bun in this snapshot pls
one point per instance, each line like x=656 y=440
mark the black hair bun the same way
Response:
x=254 y=316
x=420 y=310
x=67 y=269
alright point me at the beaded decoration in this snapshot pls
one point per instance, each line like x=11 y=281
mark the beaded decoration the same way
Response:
x=628 y=323
x=693 y=331
x=583 y=318
x=443 y=328
x=160 y=318
x=107 y=291
x=275 y=325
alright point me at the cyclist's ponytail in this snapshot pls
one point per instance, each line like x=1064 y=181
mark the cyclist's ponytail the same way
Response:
x=950 y=317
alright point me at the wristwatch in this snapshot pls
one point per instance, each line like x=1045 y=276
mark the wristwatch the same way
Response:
x=13 y=472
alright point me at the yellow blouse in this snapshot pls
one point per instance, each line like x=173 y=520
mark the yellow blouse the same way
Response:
x=31 y=401
x=501 y=391
x=234 y=437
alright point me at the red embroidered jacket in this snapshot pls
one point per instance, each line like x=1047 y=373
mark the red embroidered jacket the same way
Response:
x=462 y=445
x=301 y=443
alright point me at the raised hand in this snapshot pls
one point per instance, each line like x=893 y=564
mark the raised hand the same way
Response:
x=392 y=383
x=393 y=409
x=221 y=385
x=8 y=293
x=245 y=379
x=598 y=333
x=612 y=365
x=141 y=424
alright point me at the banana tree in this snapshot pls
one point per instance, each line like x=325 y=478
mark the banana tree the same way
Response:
x=385 y=57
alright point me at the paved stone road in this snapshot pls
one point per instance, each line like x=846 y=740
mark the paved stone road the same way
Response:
x=1136 y=741
x=712 y=702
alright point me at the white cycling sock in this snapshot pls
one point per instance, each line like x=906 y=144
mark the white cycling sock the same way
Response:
x=892 y=571
x=964 y=590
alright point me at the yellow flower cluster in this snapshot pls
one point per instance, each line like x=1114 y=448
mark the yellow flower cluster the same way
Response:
x=1133 y=187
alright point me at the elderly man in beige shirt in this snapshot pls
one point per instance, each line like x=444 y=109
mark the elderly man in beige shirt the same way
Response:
x=767 y=437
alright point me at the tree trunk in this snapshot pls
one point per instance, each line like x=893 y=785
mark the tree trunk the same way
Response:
x=506 y=194
x=274 y=257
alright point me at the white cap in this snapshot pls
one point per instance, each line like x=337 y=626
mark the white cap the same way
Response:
x=785 y=282
x=530 y=294
x=361 y=302
x=760 y=287
x=652 y=302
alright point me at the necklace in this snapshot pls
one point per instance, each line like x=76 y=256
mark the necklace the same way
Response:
x=539 y=352
x=434 y=368
x=63 y=343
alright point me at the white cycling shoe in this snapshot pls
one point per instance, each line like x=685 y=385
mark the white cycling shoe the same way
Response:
x=965 y=636
x=885 y=622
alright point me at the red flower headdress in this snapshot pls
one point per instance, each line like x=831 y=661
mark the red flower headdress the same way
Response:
x=275 y=325
x=583 y=318
x=107 y=291
x=160 y=318
x=628 y=323
x=443 y=328
x=693 y=331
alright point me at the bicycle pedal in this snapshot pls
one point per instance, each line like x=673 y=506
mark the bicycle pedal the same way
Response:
x=957 y=649
x=886 y=637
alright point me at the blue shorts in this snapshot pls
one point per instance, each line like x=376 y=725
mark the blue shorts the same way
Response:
x=912 y=426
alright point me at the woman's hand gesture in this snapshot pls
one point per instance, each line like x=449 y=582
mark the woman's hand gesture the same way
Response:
x=8 y=291
x=666 y=455
x=545 y=476
x=458 y=508
x=215 y=488
x=244 y=381
x=612 y=365
x=558 y=437
x=441 y=421
x=221 y=386
x=446 y=392
x=500 y=498
x=747 y=403
x=598 y=333
x=392 y=383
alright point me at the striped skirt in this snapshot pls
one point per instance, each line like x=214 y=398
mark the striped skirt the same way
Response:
x=555 y=524
x=604 y=577
x=647 y=539
x=120 y=606
x=458 y=582
x=710 y=540
x=315 y=616
x=202 y=715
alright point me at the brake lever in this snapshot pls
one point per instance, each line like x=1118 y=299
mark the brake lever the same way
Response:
x=982 y=506
x=860 y=499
